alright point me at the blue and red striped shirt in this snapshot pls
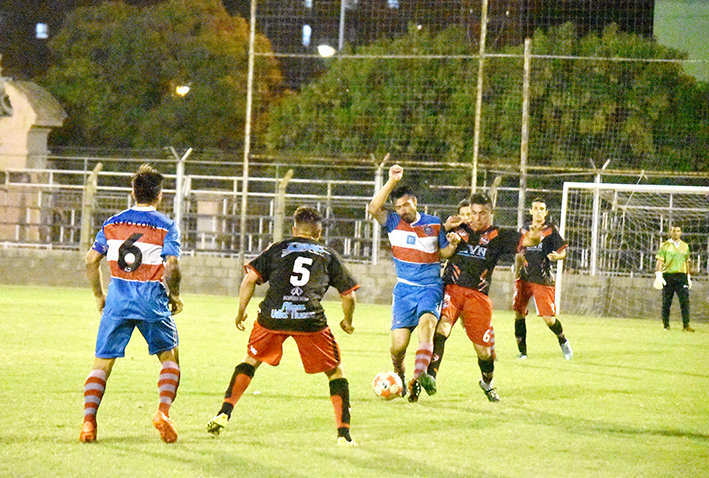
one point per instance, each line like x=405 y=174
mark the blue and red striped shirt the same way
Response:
x=416 y=248
x=135 y=243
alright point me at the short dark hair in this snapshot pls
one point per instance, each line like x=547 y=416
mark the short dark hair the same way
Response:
x=306 y=215
x=481 y=199
x=538 y=199
x=147 y=184
x=402 y=191
x=464 y=203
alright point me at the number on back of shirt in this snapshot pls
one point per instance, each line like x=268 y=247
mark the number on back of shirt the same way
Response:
x=301 y=274
x=129 y=256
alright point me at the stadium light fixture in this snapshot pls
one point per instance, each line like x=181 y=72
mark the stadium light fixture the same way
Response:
x=326 y=51
x=182 y=90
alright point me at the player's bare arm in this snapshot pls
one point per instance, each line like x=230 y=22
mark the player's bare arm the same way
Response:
x=452 y=222
x=173 y=277
x=453 y=241
x=348 y=306
x=376 y=206
x=246 y=292
x=557 y=255
x=93 y=273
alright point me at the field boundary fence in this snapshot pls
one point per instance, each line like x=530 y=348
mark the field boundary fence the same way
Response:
x=43 y=207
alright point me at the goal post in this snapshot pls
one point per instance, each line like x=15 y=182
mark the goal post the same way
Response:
x=614 y=231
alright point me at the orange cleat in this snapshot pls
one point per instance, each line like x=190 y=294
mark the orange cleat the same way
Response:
x=88 y=432
x=164 y=425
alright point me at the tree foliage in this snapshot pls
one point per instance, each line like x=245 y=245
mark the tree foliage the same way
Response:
x=607 y=104
x=406 y=106
x=117 y=68
x=418 y=102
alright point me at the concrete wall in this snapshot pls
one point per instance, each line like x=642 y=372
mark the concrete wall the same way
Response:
x=200 y=275
x=583 y=295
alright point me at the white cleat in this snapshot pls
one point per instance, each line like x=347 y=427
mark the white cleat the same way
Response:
x=566 y=349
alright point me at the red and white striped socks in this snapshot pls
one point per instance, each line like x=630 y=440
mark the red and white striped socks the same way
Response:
x=167 y=384
x=94 y=388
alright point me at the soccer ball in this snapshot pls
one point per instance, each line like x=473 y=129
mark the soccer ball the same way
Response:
x=387 y=385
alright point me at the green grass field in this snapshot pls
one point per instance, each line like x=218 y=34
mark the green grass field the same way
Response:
x=634 y=401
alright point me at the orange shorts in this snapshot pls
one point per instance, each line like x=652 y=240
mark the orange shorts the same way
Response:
x=544 y=298
x=475 y=310
x=319 y=351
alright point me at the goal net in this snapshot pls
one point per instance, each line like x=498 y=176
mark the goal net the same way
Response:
x=614 y=232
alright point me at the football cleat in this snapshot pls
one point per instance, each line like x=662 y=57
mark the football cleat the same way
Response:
x=522 y=357
x=566 y=350
x=217 y=424
x=687 y=328
x=428 y=383
x=490 y=393
x=342 y=441
x=164 y=425
x=88 y=432
x=414 y=390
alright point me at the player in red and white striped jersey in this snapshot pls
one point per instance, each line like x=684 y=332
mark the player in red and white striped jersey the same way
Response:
x=142 y=247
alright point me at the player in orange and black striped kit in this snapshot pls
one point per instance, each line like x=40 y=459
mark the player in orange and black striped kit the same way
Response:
x=467 y=277
x=299 y=271
x=534 y=277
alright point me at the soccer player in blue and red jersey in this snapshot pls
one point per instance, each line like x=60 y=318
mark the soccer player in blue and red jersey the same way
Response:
x=418 y=242
x=142 y=247
x=299 y=271
x=535 y=280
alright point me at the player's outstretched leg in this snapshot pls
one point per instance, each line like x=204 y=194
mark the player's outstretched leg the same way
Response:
x=240 y=380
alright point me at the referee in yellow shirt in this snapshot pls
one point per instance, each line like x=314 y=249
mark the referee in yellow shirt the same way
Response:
x=672 y=276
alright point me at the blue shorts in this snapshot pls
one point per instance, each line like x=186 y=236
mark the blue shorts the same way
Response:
x=114 y=335
x=412 y=301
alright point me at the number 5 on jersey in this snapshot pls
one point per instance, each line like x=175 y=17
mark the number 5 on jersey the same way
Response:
x=301 y=274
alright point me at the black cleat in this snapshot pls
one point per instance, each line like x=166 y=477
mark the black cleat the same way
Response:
x=414 y=390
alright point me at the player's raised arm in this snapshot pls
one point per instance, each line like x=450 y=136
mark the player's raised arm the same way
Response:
x=453 y=241
x=376 y=206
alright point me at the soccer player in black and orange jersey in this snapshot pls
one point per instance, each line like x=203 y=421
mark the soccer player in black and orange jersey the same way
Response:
x=534 y=277
x=299 y=271
x=467 y=277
